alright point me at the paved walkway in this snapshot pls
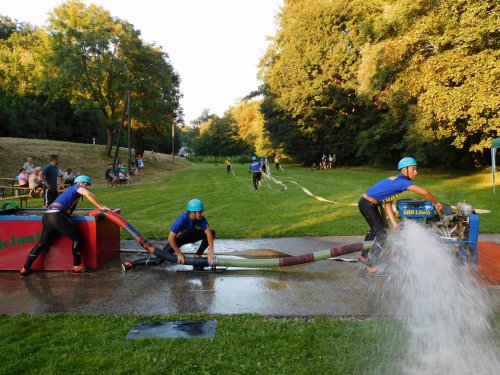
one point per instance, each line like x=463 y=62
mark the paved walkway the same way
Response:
x=327 y=287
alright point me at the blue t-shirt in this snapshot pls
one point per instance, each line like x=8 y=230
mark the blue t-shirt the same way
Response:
x=387 y=190
x=255 y=166
x=184 y=225
x=68 y=199
x=50 y=173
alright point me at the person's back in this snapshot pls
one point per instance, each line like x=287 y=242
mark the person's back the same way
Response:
x=49 y=176
x=22 y=177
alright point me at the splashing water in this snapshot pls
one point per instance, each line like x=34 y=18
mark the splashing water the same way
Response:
x=444 y=310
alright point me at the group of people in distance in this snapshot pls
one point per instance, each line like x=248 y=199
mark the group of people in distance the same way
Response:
x=120 y=173
x=192 y=226
x=327 y=162
x=36 y=177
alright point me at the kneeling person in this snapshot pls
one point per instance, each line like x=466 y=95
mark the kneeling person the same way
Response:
x=57 y=220
x=190 y=227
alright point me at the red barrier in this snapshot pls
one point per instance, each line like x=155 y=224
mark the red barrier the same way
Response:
x=19 y=233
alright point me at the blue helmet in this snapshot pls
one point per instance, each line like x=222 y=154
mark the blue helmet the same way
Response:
x=406 y=162
x=195 y=205
x=85 y=179
x=254 y=158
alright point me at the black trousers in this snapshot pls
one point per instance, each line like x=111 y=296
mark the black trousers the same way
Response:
x=181 y=241
x=256 y=178
x=373 y=217
x=55 y=223
x=49 y=196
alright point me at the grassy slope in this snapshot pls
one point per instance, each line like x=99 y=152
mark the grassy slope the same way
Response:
x=87 y=158
x=233 y=208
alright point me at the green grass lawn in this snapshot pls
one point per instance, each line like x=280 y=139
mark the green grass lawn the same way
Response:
x=235 y=210
x=243 y=344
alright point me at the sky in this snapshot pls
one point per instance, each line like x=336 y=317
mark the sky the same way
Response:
x=214 y=45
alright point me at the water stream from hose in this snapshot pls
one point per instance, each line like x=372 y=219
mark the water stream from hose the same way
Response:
x=444 y=310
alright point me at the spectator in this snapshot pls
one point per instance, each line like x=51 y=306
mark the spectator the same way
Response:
x=28 y=166
x=139 y=164
x=277 y=162
x=69 y=177
x=22 y=178
x=123 y=175
x=35 y=184
x=48 y=176
x=110 y=176
x=34 y=180
x=124 y=169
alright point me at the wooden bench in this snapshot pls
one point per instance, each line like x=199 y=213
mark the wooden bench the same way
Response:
x=16 y=192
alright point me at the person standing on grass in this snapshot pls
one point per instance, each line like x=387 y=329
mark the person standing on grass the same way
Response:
x=228 y=165
x=190 y=227
x=277 y=162
x=384 y=193
x=139 y=164
x=48 y=176
x=56 y=220
x=255 y=167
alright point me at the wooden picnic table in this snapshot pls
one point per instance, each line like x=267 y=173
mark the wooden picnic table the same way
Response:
x=13 y=188
x=16 y=192
x=7 y=180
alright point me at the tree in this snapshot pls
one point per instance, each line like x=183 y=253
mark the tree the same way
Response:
x=218 y=136
x=394 y=75
x=94 y=59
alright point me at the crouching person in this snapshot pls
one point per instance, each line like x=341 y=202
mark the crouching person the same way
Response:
x=190 y=227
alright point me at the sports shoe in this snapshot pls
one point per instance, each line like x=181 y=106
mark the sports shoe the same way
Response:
x=82 y=269
x=24 y=272
x=362 y=259
x=375 y=271
x=127 y=266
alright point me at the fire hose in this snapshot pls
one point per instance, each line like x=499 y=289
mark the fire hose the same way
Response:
x=229 y=261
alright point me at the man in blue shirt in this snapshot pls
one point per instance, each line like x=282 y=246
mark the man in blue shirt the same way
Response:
x=190 y=227
x=48 y=177
x=384 y=193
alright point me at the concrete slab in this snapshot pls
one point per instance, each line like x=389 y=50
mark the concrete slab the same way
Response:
x=321 y=288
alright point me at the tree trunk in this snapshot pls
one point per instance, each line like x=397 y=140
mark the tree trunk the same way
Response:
x=109 y=133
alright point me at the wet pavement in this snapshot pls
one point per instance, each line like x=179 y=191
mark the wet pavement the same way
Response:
x=329 y=287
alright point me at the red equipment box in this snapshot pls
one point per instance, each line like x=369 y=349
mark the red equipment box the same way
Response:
x=21 y=229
